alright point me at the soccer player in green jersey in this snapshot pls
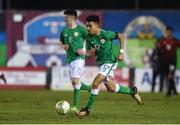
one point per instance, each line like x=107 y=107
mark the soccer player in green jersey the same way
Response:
x=71 y=40
x=99 y=43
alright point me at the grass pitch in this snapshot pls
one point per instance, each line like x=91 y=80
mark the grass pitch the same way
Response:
x=29 y=107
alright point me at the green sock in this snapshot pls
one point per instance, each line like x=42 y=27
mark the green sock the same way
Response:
x=85 y=87
x=91 y=100
x=124 y=90
x=76 y=97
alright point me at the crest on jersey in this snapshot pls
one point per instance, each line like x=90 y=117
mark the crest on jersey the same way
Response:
x=75 y=34
x=65 y=35
x=168 y=47
x=102 y=41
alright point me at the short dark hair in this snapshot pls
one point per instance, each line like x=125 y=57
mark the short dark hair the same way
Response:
x=169 y=28
x=93 y=18
x=70 y=12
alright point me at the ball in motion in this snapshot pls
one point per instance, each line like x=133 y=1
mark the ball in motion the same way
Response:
x=62 y=107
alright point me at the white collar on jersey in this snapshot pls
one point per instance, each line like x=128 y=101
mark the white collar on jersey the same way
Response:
x=98 y=32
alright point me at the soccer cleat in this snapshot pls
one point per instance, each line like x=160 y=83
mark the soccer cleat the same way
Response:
x=83 y=112
x=3 y=78
x=73 y=108
x=136 y=96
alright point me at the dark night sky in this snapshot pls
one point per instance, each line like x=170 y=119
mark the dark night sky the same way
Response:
x=90 y=4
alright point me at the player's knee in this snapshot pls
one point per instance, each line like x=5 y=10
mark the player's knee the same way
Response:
x=95 y=86
x=111 y=89
x=75 y=82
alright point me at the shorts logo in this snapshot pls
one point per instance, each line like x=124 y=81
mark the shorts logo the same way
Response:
x=75 y=34
x=168 y=47
x=102 y=41
x=106 y=66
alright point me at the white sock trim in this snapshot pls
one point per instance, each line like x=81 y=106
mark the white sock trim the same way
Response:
x=77 y=86
x=117 y=88
x=95 y=91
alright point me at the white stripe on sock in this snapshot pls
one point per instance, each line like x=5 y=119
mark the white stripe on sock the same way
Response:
x=117 y=88
x=95 y=91
x=77 y=86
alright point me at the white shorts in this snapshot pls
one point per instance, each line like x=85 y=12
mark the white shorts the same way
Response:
x=108 y=69
x=76 y=68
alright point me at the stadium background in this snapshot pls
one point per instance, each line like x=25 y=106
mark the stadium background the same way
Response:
x=30 y=56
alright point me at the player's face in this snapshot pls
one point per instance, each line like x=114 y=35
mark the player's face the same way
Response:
x=69 y=19
x=92 y=27
x=168 y=33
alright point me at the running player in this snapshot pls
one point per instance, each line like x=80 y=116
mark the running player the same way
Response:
x=71 y=40
x=99 y=42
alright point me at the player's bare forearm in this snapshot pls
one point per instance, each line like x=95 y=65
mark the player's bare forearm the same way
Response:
x=121 y=40
x=81 y=52
x=90 y=53
x=121 y=43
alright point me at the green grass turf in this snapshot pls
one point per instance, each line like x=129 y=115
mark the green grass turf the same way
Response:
x=38 y=107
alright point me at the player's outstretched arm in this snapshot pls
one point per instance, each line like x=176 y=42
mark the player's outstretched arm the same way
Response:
x=88 y=53
x=121 y=43
x=65 y=47
x=91 y=53
x=81 y=51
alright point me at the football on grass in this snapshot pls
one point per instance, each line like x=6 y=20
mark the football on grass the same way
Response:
x=62 y=107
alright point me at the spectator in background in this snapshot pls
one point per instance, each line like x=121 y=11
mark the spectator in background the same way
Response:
x=146 y=57
x=146 y=32
x=156 y=64
x=168 y=46
x=3 y=78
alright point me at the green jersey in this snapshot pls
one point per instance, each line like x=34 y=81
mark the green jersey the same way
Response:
x=103 y=45
x=74 y=38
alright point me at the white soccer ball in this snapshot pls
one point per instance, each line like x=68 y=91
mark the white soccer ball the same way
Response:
x=62 y=107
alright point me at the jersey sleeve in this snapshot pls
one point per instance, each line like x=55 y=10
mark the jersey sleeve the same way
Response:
x=111 y=35
x=88 y=44
x=84 y=33
x=62 y=37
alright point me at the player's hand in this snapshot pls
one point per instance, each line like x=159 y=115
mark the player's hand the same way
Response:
x=120 y=57
x=65 y=47
x=81 y=52
x=92 y=51
x=170 y=76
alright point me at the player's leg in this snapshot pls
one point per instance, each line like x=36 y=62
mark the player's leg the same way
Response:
x=155 y=73
x=113 y=87
x=76 y=94
x=110 y=85
x=161 y=73
x=85 y=87
x=76 y=69
x=94 y=92
x=172 y=86
x=103 y=72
